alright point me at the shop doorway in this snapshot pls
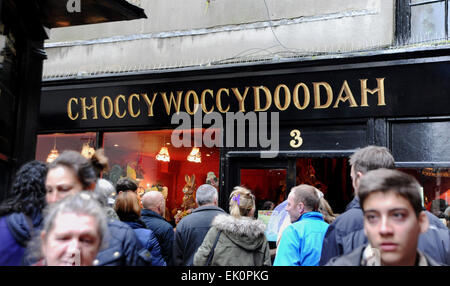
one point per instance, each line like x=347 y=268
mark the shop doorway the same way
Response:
x=271 y=180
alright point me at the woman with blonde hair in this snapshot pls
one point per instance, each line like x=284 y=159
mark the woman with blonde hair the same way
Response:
x=236 y=239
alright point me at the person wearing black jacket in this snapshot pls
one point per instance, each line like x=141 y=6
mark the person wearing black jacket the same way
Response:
x=347 y=231
x=152 y=215
x=393 y=219
x=192 y=229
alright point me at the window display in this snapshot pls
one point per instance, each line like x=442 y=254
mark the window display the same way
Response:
x=149 y=158
x=51 y=145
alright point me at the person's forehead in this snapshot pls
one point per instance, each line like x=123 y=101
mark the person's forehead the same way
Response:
x=72 y=222
x=61 y=172
x=385 y=201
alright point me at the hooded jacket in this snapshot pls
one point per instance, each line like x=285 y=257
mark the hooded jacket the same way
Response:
x=148 y=240
x=242 y=242
x=15 y=233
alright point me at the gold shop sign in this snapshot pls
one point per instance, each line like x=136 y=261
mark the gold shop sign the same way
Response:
x=315 y=96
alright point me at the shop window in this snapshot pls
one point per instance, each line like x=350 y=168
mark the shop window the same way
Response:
x=422 y=20
x=49 y=146
x=142 y=157
x=268 y=185
x=436 y=188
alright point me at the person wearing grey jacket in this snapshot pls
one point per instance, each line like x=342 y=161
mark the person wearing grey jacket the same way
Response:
x=192 y=229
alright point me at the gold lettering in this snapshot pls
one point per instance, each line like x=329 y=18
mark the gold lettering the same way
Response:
x=116 y=106
x=219 y=102
x=168 y=103
x=210 y=92
x=186 y=102
x=379 y=90
x=84 y=107
x=306 y=93
x=287 y=97
x=130 y=105
x=349 y=96
x=69 y=108
x=240 y=98
x=256 y=90
x=102 y=107
x=317 y=86
x=149 y=103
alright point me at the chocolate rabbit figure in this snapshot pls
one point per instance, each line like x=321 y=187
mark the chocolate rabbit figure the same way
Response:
x=189 y=193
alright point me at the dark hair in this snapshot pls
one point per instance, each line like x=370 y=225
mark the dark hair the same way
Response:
x=28 y=189
x=307 y=195
x=371 y=158
x=126 y=184
x=81 y=166
x=385 y=180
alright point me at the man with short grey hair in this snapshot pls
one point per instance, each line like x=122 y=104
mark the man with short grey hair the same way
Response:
x=192 y=229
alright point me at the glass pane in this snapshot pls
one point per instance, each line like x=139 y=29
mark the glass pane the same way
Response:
x=266 y=184
x=331 y=176
x=436 y=188
x=428 y=22
x=46 y=144
x=134 y=155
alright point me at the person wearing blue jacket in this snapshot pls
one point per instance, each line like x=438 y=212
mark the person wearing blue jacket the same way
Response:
x=301 y=242
x=21 y=212
x=128 y=209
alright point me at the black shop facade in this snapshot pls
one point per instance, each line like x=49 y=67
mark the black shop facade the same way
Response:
x=266 y=126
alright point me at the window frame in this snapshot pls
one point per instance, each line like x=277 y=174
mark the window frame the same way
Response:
x=403 y=19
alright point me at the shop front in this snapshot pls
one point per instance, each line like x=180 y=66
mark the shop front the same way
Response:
x=266 y=126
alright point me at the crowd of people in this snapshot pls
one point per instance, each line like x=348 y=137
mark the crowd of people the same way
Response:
x=63 y=213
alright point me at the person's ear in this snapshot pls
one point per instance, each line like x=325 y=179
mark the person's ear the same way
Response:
x=358 y=177
x=301 y=206
x=424 y=223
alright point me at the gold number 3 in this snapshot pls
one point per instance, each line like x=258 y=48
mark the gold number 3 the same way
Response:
x=297 y=141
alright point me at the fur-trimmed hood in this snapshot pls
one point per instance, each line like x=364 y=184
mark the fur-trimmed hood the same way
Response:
x=245 y=232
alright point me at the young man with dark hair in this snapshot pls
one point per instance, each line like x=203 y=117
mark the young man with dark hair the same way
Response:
x=393 y=221
x=347 y=232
